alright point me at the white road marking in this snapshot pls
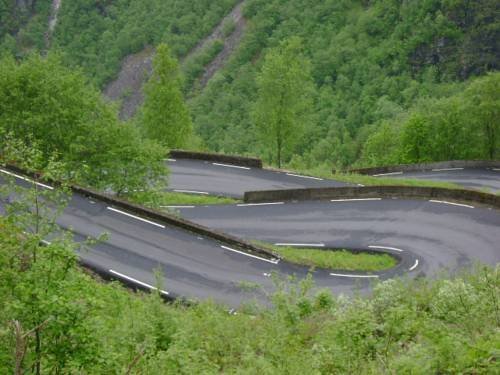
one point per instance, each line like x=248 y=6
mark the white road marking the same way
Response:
x=446 y=169
x=495 y=169
x=137 y=281
x=176 y=206
x=361 y=185
x=26 y=179
x=135 y=217
x=258 y=204
x=355 y=199
x=273 y=261
x=169 y=160
x=387 y=174
x=301 y=244
x=230 y=166
x=45 y=242
x=385 y=248
x=451 y=203
x=309 y=177
x=191 y=192
x=345 y=275
x=414 y=266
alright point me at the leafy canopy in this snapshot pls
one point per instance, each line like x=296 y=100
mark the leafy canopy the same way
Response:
x=164 y=116
x=283 y=90
x=44 y=102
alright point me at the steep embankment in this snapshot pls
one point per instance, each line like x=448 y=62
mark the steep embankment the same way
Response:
x=135 y=69
x=230 y=42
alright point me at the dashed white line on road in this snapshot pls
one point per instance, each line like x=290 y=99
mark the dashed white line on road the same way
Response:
x=446 y=169
x=300 y=244
x=273 y=261
x=451 y=203
x=385 y=248
x=495 y=169
x=414 y=266
x=346 y=275
x=135 y=217
x=258 y=204
x=138 y=282
x=26 y=179
x=361 y=185
x=231 y=166
x=191 y=192
x=309 y=177
x=169 y=159
x=387 y=174
x=355 y=199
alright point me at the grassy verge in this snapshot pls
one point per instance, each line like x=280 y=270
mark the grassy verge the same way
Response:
x=167 y=198
x=367 y=180
x=335 y=259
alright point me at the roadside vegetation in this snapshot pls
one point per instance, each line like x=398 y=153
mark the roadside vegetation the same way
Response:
x=336 y=259
x=161 y=199
x=85 y=326
x=393 y=82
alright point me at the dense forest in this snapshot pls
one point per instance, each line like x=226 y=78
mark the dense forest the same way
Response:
x=376 y=65
x=380 y=69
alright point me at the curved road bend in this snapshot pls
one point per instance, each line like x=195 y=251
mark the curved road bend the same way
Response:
x=205 y=177
x=475 y=178
x=426 y=235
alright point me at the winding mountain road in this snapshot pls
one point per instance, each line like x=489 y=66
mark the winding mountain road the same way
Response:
x=474 y=178
x=427 y=236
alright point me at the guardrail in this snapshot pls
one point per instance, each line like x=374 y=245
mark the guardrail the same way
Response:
x=219 y=158
x=461 y=195
x=421 y=167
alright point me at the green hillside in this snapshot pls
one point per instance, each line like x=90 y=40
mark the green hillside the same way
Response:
x=374 y=63
x=377 y=68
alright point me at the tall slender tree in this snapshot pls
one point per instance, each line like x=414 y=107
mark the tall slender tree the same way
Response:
x=165 y=117
x=284 y=97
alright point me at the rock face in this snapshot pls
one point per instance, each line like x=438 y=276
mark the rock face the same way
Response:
x=127 y=88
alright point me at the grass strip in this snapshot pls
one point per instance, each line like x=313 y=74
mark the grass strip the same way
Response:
x=340 y=259
x=368 y=180
x=166 y=198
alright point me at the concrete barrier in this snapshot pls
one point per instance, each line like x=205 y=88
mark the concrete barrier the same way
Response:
x=162 y=217
x=218 y=158
x=459 y=195
x=175 y=221
x=421 y=167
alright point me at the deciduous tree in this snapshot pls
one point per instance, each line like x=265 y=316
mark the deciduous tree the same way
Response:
x=284 y=93
x=165 y=117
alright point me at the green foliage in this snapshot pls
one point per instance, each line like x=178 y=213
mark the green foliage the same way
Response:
x=164 y=116
x=195 y=65
x=284 y=90
x=160 y=199
x=42 y=101
x=97 y=35
x=373 y=63
x=462 y=126
x=23 y=25
x=422 y=326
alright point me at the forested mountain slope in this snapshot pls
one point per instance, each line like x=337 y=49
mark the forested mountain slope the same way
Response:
x=380 y=68
x=373 y=64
